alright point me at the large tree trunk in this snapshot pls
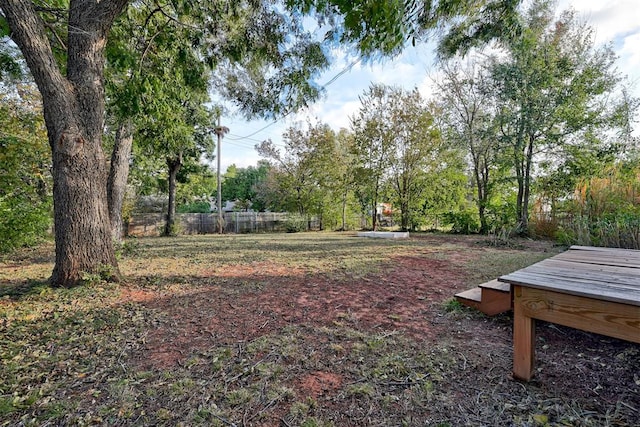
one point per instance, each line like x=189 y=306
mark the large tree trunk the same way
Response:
x=74 y=114
x=118 y=174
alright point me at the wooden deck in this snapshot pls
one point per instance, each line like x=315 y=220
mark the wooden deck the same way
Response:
x=491 y=298
x=588 y=288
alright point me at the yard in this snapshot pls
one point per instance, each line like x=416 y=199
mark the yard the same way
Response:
x=314 y=329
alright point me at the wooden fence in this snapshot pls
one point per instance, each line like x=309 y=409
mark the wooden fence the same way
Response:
x=152 y=224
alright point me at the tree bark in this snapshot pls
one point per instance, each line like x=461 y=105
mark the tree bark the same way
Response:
x=118 y=174
x=74 y=114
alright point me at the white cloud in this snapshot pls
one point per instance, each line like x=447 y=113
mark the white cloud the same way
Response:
x=610 y=19
x=335 y=114
x=629 y=61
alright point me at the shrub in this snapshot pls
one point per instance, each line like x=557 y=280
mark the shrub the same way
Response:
x=295 y=223
x=194 y=207
x=605 y=212
x=463 y=222
x=22 y=223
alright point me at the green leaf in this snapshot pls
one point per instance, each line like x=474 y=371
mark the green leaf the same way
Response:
x=4 y=27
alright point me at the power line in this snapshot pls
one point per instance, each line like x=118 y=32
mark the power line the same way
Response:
x=236 y=144
x=239 y=141
x=239 y=138
x=347 y=68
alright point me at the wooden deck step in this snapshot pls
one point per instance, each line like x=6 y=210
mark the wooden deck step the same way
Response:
x=496 y=285
x=471 y=298
x=491 y=298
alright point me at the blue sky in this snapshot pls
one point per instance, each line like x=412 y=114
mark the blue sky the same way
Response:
x=615 y=21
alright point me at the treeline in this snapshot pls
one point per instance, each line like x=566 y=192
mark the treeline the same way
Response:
x=534 y=138
x=533 y=135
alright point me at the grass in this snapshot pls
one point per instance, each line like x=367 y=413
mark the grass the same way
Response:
x=81 y=356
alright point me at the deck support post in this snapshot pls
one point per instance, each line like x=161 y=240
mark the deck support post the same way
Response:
x=524 y=339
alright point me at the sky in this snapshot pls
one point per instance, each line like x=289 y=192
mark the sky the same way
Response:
x=614 y=21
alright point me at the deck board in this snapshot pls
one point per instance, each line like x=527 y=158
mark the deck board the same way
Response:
x=600 y=273
x=496 y=285
x=606 y=278
x=626 y=258
x=576 y=286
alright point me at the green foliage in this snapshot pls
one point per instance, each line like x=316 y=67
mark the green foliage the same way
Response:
x=552 y=86
x=464 y=222
x=4 y=27
x=296 y=223
x=242 y=184
x=481 y=23
x=605 y=211
x=452 y=305
x=380 y=27
x=9 y=57
x=373 y=147
x=398 y=156
x=197 y=181
x=501 y=210
x=417 y=155
x=445 y=188
x=267 y=61
x=194 y=207
x=22 y=223
x=25 y=181
x=468 y=119
x=300 y=177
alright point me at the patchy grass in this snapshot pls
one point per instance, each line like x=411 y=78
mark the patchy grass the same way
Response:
x=317 y=329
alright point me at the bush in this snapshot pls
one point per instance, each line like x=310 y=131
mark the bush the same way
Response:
x=22 y=223
x=620 y=230
x=463 y=222
x=295 y=223
x=194 y=207
x=605 y=212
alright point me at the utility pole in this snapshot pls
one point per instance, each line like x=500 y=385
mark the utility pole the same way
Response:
x=220 y=131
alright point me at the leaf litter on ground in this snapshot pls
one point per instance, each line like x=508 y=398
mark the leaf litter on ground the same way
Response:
x=318 y=329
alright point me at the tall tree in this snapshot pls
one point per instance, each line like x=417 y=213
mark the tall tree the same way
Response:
x=67 y=62
x=373 y=146
x=397 y=145
x=552 y=84
x=304 y=170
x=416 y=150
x=73 y=99
x=467 y=116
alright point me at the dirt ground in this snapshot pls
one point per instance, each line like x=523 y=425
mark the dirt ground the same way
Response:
x=408 y=296
x=296 y=330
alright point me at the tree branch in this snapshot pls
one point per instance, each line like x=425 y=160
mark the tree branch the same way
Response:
x=28 y=32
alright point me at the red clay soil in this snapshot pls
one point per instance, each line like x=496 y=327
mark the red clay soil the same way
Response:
x=401 y=299
x=406 y=295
